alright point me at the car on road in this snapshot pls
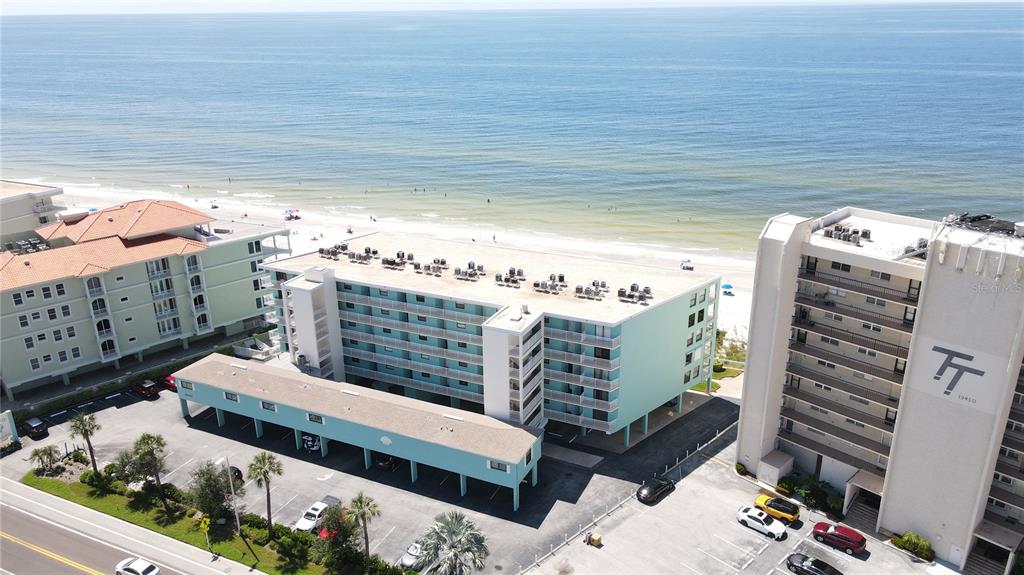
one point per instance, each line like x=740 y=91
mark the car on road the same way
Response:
x=146 y=389
x=136 y=566
x=168 y=383
x=312 y=518
x=778 y=508
x=652 y=491
x=411 y=556
x=840 y=537
x=762 y=522
x=803 y=565
x=35 y=428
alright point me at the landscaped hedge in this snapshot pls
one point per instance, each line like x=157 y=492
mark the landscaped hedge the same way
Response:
x=916 y=544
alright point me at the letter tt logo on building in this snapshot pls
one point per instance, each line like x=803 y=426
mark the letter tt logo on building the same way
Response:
x=960 y=369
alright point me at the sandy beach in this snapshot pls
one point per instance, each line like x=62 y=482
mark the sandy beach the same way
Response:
x=316 y=229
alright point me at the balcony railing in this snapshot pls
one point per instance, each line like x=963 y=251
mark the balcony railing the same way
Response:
x=885 y=347
x=109 y=353
x=847 y=362
x=96 y=291
x=878 y=397
x=194 y=268
x=200 y=307
x=166 y=313
x=827 y=451
x=881 y=319
x=104 y=333
x=159 y=273
x=862 y=287
x=582 y=338
x=412 y=347
x=833 y=406
x=572 y=419
x=585 y=381
x=195 y=288
x=401 y=363
x=411 y=327
x=414 y=383
x=580 y=359
x=835 y=431
x=170 y=333
x=100 y=312
x=163 y=294
x=581 y=400
x=44 y=207
x=201 y=327
x=413 y=308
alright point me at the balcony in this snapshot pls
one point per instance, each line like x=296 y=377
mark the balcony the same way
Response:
x=861 y=287
x=158 y=273
x=571 y=419
x=200 y=307
x=585 y=381
x=822 y=449
x=1002 y=493
x=96 y=291
x=580 y=400
x=100 y=312
x=413 y=308
x=414 y=383
x=836 y=383
x=412 y=347
x=195 y=288
x=838 y=408
x=202 y=327
x=1013 y=443
x=1017 y=412
x=165 y=313
x=847 y=362
x=170 y=333
x=411 y=327
x=580 y=359
x=581 y=338
x=402 y=363
x=47 y=207
x=1015 y=471
x=852 y=338
x=836 y=431
x=194 y=268
x=163 y=294
x=833 y=306
x=531 y=341
x=105 y=333
x=109 y=354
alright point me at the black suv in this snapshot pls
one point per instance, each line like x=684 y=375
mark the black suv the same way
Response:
x=804 y=565
x=35 y=428
x=654 y=490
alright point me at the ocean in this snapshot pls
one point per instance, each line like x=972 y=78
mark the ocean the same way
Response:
x=669 y=127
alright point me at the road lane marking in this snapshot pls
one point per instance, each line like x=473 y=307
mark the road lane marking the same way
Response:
x=47 y=553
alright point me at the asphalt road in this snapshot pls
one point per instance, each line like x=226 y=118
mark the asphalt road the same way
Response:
x=30 y=545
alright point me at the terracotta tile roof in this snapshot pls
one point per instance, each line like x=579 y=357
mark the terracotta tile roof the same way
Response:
x=88 y=258
x=127 y=221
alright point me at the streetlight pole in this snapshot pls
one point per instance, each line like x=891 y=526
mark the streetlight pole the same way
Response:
x=231 y=484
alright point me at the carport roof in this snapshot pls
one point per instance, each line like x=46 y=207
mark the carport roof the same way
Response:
x=445 y=426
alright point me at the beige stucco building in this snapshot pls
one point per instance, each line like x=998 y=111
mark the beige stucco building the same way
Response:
x=885 y=357
x=25 y=207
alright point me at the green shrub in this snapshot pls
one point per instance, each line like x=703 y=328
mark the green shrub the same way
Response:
x=174 y=494
x=113 y=471
x=255 y=521
x=915 y=544
x=719 y=367
x=787 y=484
x=835 y=503
x=80 y=457
x=281 y=531
x=295 y=545
x=379 y=566
x=88 y=477
x=741 y=469
x=255 y=534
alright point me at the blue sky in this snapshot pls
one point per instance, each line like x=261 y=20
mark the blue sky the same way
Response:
x=24 y=7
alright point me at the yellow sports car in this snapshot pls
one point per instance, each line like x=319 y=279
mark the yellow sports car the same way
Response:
x=778 y=508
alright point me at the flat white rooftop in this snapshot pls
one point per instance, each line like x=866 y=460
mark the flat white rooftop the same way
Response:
x=665 y=283
x=890 y=234
x=230 y=230
x=10 y=188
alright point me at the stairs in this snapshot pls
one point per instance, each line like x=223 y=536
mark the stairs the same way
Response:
x=863 y=518
x=979 y=565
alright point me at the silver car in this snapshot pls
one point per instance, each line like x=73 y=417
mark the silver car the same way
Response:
x=411 y=556
x=762 y=522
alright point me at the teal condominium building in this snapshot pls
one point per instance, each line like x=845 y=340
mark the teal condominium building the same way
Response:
x=525 y=337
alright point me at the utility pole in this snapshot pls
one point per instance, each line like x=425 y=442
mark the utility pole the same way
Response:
x=231 y=484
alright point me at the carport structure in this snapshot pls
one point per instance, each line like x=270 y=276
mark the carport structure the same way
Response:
x=462 y=442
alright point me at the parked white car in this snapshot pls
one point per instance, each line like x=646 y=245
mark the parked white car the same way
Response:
x=136 y=566
x=312 y=518
x=762 y=522
x=411 y=556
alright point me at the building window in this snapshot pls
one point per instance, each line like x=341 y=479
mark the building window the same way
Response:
x=822 y=387
x=996 y=503
x=693 y=300
x=854 y=422
x=41 y=337
x=59 y=289
x=51 y=313
x=252 y=267
x=231 y=396
x=124 y=299
x=872 y=327
x=460 y=325
x=119 y=279
x=30 y=294
x=350 y=305
x=881 y=276
x=833 y=316
x=875 y=301
x=529 y=456
x=23 y=320
x=128 y=319
x=700 y=315
x=497 y=465
x=70 y=331
x=36 y=316
x=829 y=340
x=131 y=340
x=420 y=298
x=47 y=358
x=256 y=285
x=47 y=292
x=840 y=266
x=421 y=318
x=386 y=348
x=425 y=374
x=463 y=364
x=345 y=286
x=382 y=292
x=837 y=292
x=65 y=310
x=461 y=344
x=867 y=352
x=692 y=321
x=62 y=356
x=460 y=305
x=422 y=337
x=184 y=384
x=17 y=298
x=29 y=343
x=819 y=410
x=689 y=358
x=385 y=311
x=34 y=363
x=268 y=406
x=255 y=247
x=314 y=418
x=350 y=323
x=260 y=303
x=57 y=335
x=424 y=356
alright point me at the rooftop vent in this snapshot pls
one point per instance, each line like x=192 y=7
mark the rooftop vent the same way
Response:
x=239 y=366
x=350 y=392
x=449 y=416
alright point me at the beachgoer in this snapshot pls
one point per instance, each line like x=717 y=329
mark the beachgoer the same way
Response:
x=494 y=238
x=488 y=200
x=245 y=215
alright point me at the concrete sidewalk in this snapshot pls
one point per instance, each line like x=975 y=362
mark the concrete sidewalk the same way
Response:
x=130 y=538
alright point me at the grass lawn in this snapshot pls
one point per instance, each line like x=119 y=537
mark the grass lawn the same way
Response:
x=701 y=387
x=225 y=542
x=729 y=372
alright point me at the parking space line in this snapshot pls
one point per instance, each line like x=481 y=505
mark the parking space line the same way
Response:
x=177 y=468
x=446 y=476
x=286 y=503
x=729 y=565
x=381 y=540
x=810 y=539
x=246 y=425
x=727 y=542
x=496 y=489
x=282 y=438
x=691 y=569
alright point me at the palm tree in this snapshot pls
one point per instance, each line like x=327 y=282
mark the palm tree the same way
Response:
x=149 y=460
x=85 y=426
x=262 y=468
x=452 y=546
x=45 y=457
x=364 y=509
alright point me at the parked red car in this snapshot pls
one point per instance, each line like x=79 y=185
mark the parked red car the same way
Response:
x=839 y=537
x=168 y=383
x=146 y=389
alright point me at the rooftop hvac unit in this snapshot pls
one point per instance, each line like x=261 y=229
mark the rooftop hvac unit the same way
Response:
x=472 y=265
x=519 y=272
x=400 y=255
x=408 y=257
x=828 y=232
x=865 y=234
x=561 y=277
x=525 y=309
x=922 y=243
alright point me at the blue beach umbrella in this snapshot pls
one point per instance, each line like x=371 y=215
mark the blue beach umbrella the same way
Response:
x=727 y=286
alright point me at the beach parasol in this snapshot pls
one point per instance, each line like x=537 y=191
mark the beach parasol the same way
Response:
x=727 y=286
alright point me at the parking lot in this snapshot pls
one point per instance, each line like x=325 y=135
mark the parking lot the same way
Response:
x=694 y=531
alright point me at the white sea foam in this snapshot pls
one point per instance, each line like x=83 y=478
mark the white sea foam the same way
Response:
x=254 y=195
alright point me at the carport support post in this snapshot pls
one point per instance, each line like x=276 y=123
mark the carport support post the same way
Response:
x=367 y=458
x=323 y=446
x=625 y=434
x=184 y=406
x=515 y=498
x=258 y=424
x=462 y=484
x=583 y=431
x=298 y=439
x=645 y=422
x=413 y=472
x=533 y=476
x=220 y=416
x=66 y=379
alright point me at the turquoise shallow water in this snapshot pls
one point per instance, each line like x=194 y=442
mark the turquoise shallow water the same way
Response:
x=683 y=127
